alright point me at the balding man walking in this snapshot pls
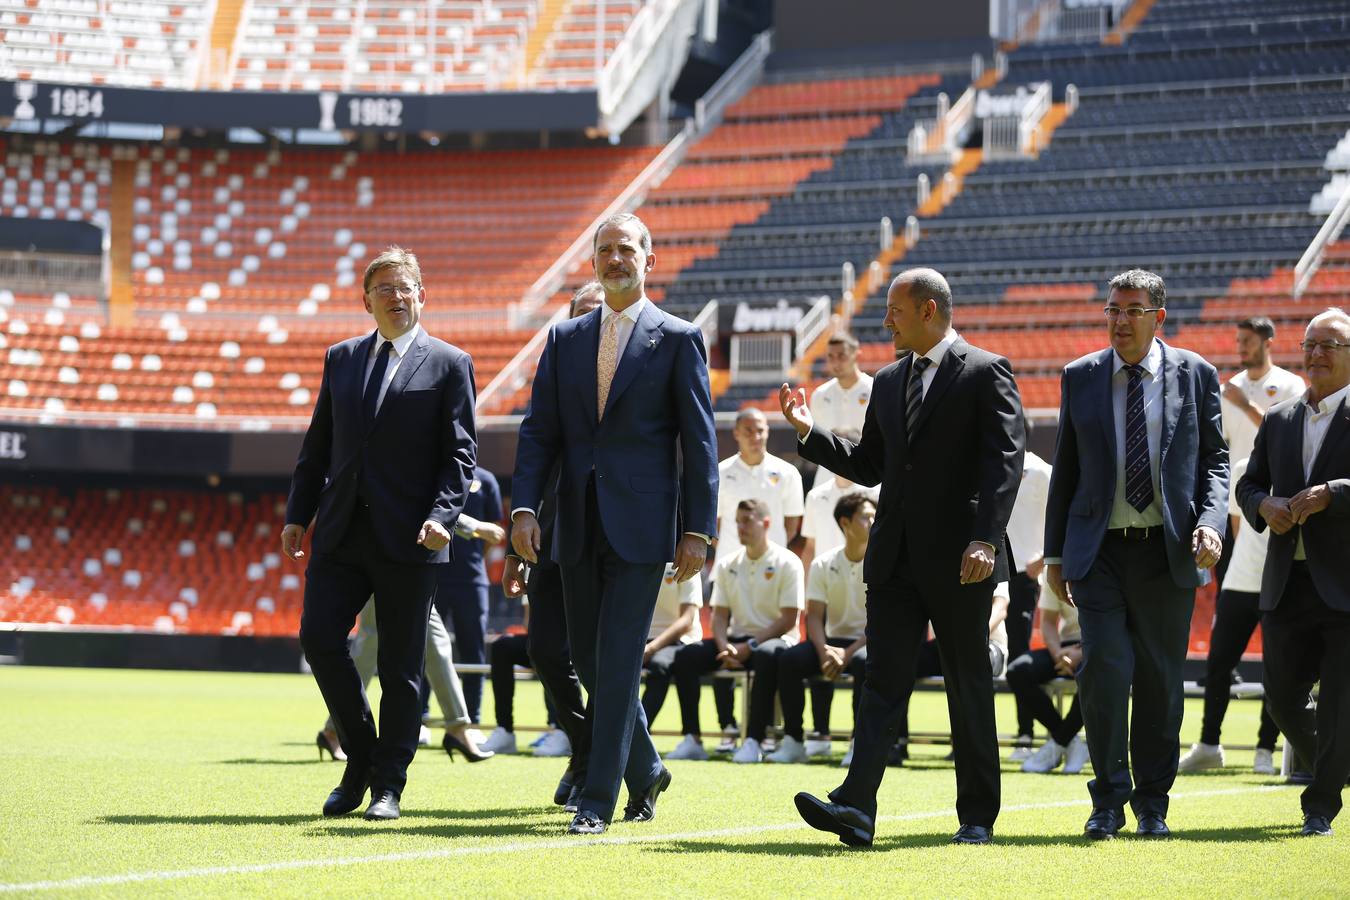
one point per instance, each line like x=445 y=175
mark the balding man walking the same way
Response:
x=944 y=436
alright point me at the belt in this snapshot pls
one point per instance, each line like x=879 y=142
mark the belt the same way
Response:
x=1135 y=534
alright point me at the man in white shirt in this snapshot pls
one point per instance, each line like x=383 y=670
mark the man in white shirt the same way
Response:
x=1059 y=658
x=755 y=474
x=1026 y=540
x=841 y=403
x=1236 y=615
x=820 y=529
x=675 y=624
x=836 y=631
x=757 y=598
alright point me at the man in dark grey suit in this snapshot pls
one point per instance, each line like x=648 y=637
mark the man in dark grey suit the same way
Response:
x=1137 y=503
x=1298 y=484
x=944 y=437
x=383 y=473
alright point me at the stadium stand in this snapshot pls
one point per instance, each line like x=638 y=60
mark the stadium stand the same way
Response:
x=568 y=56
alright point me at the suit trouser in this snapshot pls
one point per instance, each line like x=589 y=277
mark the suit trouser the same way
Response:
x=1236 y=615
x=1023 y=591
x=1026 y=674
x=440 y=667
x=658 y=680
x=798 y=663
x=337 y=586
x=1306 y=641
x=693 y=661
x=504 y=654
x=464 y=608
x=609 y=603
x=898 y=613
x=1136 y=626
x=551 y=659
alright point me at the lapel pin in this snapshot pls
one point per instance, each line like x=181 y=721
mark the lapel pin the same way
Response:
x=652 y=342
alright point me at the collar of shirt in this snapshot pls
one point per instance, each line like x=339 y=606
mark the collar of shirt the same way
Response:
x=939 y=350
x=401 y=343
x=1151 y=363
x=1329 y=403
x=631 y=312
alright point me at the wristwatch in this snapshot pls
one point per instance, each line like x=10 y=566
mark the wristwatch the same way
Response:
x=752 y=644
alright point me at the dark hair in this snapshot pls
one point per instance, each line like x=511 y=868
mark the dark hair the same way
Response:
x=621 y=220
x=849 y=504
x=1141 y=280
x=581 y=292
x=756 y=507
x=1259 y=325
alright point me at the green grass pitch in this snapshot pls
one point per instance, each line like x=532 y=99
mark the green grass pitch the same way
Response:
x=147 y=784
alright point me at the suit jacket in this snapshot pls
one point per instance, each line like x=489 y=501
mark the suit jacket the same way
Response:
x=416 y=459
x=1193 y=462
x=1276 y=468
x=659 y=401
x=954 y=483
x=547 y=518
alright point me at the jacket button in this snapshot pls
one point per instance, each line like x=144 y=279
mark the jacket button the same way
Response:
x=909 y=467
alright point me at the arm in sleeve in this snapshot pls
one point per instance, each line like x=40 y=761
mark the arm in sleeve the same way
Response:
x=862 y=463
x=698 y=436
x=1212 y=502
x=540 y=437
x=459 y=443
x=1003 y=442
x=312 y=464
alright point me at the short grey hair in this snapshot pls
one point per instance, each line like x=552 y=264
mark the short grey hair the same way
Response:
x=581 y=293
x=620 y=220
x=928 y=284
x=1331 y=314
x=1141 y=280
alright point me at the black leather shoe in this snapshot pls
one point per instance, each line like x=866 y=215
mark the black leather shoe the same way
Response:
x=585 y=823
x=383 y=805
x=973 y=834
x=1153 y=825
x=564 y=789
x=643 y=808
x=349 y=794
x=1104 y=824
x=853 y=826
x=1317 y=825
x=574 y=798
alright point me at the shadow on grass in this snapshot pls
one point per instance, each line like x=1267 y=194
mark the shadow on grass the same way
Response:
x=555 y=827
x=256 y=761
x=316 y=818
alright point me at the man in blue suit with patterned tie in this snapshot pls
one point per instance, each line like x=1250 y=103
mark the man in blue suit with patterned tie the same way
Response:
x=617 y=393
x=1137 y=502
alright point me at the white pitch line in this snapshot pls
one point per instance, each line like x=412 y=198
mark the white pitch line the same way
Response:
x=571 y=843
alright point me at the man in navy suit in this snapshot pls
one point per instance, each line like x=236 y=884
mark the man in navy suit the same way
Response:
x=1298 y=484
x=1138 y=496
x=382 y=474
x=617 y=393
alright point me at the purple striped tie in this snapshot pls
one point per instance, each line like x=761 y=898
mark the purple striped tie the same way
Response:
x=1138 y=472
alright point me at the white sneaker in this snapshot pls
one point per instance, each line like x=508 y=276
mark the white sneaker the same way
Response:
x=848 y=757
x=1264 y=764
x=500 y=741
x=730 y=735
x=1045 y=759
x=1022 y=751
x=555 y=743
x=1075 y=756
x=689 y=748
x=790 y=750
x=424 y=737
x=749 y=752
x=818 y=748
x=1202 y=756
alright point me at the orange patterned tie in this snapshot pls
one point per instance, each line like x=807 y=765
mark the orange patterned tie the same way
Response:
x=606 y=363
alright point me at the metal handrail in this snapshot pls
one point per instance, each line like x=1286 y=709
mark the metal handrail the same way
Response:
x=1331 y=229
x=510 y=372
x=706 y=322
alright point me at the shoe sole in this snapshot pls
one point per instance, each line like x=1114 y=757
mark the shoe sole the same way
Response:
x=816 y=817
x=1100 y=835
x=664 y=785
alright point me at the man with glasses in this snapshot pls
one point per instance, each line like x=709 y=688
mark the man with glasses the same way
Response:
x=1138 y=494
x=382 y=474
x=1298 y=485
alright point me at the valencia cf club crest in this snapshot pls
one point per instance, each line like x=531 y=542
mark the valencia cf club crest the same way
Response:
x=863 y=398
x=773 y=479
x=768 y=573
x=1271 y=391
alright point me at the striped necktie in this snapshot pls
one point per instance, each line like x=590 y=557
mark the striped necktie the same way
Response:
x=914 y=393
x=1138 y=472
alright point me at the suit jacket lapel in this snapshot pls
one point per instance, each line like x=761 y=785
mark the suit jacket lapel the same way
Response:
x=586 y=341
x=1106 y=400
x=1171 y=399
x=409 y=365
x=906 y=365
x=355 y=378
x=953 y=361
x=646 y=335
x=1336 y=431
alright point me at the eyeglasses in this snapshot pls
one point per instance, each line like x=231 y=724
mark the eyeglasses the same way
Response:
x=390 y=291
x=1134 y=312
x=1329 y=346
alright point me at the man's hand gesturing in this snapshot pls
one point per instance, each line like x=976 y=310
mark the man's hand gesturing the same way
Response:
x=793 y=402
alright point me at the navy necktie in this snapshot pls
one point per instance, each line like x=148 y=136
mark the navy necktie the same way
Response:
x=370 y=399
x=914 y=393
x=1138 y=472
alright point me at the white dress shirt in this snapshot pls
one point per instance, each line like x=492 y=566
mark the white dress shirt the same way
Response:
x=627 y=321
x=400 y=350
x=1123 y=515
x=1316 y=423
x=936 y=354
